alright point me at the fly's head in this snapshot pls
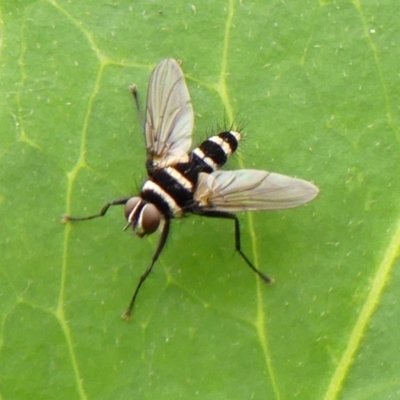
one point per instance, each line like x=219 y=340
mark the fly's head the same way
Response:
x=144 y=217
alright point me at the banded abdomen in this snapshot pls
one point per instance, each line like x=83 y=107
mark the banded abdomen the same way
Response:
x=171 y=188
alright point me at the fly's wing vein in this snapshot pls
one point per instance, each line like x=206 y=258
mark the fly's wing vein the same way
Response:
x=169 y=115
x=250 y=190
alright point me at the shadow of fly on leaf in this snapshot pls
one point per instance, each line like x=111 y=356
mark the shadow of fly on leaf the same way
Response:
x=182 y=182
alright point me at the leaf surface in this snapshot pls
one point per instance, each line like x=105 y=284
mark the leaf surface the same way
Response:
x=315 y=86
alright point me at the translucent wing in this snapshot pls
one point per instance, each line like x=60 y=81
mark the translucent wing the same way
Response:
x=247 y=189
x=169 y=115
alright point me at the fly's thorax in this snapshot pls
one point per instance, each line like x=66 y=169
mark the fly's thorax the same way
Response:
x=159 y=191
x=144 y=217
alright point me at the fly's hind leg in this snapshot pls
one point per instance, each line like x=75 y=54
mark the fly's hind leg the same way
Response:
x=226 y=215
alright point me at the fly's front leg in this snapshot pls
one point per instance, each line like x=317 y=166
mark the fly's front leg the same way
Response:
x=103 y=211
x=163 y=239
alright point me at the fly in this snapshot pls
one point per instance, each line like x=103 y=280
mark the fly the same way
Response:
x=182 y=182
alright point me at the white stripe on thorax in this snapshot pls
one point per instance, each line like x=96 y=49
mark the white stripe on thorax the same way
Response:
x=153 y=187
x=179 y=178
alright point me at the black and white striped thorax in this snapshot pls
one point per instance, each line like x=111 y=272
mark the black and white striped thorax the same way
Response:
x=171 y=189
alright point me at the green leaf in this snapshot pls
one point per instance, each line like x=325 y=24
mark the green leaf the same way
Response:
x=315 y=86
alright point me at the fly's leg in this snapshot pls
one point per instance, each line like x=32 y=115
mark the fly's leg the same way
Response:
x=163 y=239
x=135 y=93
x=226 y=215
x=103 y=211
x=161 y=244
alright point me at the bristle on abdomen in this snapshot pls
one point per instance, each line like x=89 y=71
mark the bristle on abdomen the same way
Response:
x=215 y=150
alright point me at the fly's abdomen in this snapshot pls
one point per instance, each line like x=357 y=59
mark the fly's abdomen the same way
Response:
x=171 y=188
x=214 y=152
